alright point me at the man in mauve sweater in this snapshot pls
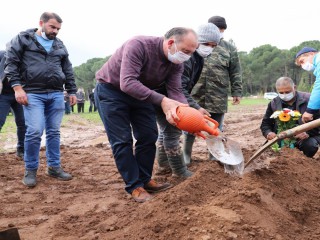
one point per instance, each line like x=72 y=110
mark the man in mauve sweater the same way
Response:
x=144 y=72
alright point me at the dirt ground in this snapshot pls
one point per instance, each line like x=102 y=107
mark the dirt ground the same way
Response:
x=280 y=200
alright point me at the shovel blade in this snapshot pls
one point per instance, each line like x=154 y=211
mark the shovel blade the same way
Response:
x=225 y=150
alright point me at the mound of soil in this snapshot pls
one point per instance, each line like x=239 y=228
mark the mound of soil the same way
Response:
x=276 y=198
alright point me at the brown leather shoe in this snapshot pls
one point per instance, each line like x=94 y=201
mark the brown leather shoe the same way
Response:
x=141 y=195
x=152 y=186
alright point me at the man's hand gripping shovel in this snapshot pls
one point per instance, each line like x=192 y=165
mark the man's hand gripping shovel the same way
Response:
x=285 y=134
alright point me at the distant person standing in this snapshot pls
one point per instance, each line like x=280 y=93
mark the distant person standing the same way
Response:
x=7 y=101
x=38 y=69
x=80 y=100
x=92 y=103
x=221 y=70
x=67 y=102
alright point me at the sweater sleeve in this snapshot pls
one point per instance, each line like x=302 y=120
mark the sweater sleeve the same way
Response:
x=131 y=65
x=173 y=84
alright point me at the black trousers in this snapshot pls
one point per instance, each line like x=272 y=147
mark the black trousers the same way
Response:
x=309 y=146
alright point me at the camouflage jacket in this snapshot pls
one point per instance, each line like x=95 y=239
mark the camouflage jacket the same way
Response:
x=221 y=70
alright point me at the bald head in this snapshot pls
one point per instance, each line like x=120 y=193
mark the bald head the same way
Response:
x=284 y=82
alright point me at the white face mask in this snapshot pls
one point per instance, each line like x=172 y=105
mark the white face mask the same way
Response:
x=308 y=66
x=286 y=97
x=178 y=57
x=221 y=35
x=204 y=51
x=44 y=36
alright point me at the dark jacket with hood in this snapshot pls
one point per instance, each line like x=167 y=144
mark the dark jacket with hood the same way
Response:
x=28 y=64
x=190 y=76
x=269 y=124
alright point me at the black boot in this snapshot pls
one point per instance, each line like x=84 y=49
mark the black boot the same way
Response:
x=30 y=178
x=188 y=141
x=57 y=172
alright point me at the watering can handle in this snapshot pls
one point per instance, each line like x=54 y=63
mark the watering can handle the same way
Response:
x=214 y=128
x=216 y=124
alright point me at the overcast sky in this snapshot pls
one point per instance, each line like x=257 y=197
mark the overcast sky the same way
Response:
x=96 y=28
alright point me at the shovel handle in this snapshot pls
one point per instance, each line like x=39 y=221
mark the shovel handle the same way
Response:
x=285 y=134
x=299 y=129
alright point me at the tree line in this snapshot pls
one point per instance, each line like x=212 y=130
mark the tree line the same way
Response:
x=261 y=67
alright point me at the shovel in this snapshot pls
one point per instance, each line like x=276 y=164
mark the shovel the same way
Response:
x=228 y=152
x=285 y=134
x=225 y=150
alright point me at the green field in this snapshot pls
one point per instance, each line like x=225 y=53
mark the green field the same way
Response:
x=8 y=132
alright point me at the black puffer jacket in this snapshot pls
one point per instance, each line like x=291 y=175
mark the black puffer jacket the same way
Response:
x=30 y=65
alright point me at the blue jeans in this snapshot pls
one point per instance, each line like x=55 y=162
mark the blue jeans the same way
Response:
x=123 y=115
x=8 y=101
x=44 y=111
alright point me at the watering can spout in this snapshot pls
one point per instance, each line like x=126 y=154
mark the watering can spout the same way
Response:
x=192 y=121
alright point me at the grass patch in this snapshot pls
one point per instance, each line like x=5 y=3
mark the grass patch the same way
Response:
x=250 y=102
x=8 y=133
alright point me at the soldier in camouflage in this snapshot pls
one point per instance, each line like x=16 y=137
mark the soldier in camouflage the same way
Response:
x=221 y=70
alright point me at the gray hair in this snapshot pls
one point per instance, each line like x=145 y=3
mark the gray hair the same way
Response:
x=284 y=81
x=178 y=33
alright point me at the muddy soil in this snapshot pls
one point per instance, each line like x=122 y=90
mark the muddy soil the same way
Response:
x=278 y=199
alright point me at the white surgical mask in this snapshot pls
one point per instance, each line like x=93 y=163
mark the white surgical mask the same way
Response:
x=204 y=51
x=286 y=97
x=44 y=36
x=221 y=35
x=178 y=57
x=308 y=66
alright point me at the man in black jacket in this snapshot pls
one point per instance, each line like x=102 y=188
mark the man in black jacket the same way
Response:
x=38 y=69
x=307 y=142
x=169 y=154
x=7 y=101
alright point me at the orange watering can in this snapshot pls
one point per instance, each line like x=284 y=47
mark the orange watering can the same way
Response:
x=192 y=121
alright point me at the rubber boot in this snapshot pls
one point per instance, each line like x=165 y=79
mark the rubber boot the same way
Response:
x=163 y=163
x=178 y=166
x=188 y=141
